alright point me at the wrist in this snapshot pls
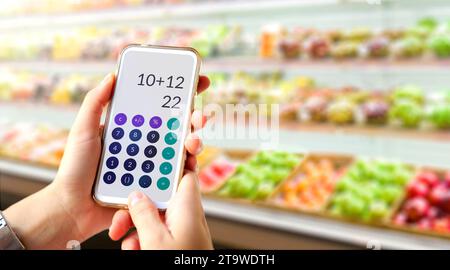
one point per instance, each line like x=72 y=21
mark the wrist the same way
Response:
x=40 y=221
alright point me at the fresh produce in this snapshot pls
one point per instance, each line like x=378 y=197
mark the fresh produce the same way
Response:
x=408 y=92
x=427 y=204
x=408 y=113
x=408 y=47
x=377 y=47
x=375 y=111
x=290 y=49
x=345 y=49
x=39 y=143
x=341 y=112
x=440 y=45
x=440 y=115
x=317 y=47
x=370 y=189
x=312 y=186
x=215 y=174
x=257 y=178
x=316 y=108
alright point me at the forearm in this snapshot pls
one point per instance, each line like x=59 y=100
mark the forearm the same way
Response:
x=40 y=222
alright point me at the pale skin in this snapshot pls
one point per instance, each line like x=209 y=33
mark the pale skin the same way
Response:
x=65 y=209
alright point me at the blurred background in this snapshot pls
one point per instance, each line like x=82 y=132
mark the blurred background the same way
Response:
x=363 y=158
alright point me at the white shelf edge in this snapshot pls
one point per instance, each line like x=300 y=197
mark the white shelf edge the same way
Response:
x=354 y=234
x=155 y=12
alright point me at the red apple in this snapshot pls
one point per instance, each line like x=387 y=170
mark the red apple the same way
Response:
x=429 y=178
x=417 y=189
x=416 y=208
x=437 y=195
x=446 y=202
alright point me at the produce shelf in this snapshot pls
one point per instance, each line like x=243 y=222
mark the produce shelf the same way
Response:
x=277 y=221
x=246 y=63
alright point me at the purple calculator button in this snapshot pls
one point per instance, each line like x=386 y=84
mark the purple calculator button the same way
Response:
x=120 y=119
x=155 y=122
x=138 y=120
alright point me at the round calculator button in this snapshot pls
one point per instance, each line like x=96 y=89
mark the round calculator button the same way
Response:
x=115 y=148
x=138 y=120
x=129 y=164
x=127 y=179
x=153 y=136
x=173 y=124
x=165 y=168
x=112 y=162
x=118 y=133
x=155 y=122
x=168 y=153
x=120 y=119
x=170 y=138
x=163 y=183
x=150 y=151
x=135 y=135
x=109 y=177
x=148 y=166
x=145 y=181
x=132 y=149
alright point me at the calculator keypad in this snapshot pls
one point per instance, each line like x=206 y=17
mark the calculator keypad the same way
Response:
x=149 y=160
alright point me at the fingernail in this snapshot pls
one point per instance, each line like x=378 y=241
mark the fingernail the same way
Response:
x=135 y=197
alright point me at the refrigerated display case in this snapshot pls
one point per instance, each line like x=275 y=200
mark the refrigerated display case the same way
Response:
x=364 y=97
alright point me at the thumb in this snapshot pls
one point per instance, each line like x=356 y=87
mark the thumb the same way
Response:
x=145 y=216
x=186 y=209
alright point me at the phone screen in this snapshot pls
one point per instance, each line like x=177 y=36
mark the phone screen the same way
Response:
x=148 y=120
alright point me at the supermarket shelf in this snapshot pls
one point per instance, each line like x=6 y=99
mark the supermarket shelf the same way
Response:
x=21 y=169
x=358 y=235
x=160 y=12
x=245 y=63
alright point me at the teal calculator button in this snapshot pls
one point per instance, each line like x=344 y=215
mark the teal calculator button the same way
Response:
x=170 y=138
x=168 y=153
x=163 y=183
x=165 y=168
x=173 y=124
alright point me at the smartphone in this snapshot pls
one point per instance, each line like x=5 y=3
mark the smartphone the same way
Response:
x=146 y=124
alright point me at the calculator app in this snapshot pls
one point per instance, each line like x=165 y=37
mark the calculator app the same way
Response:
x=143 y=145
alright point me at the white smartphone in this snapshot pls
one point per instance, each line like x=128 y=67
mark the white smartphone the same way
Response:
x=146 y=125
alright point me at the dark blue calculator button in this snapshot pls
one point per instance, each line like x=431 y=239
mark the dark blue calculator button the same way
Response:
x=148 y=166
x=145 y=181
x=109 y=177
x=112 y=162
x=153 y=136
x=118 y=133
x=129 y=164
x=135 y=135
x=133 y=149
x=115 y=148
x=150 y=151
x=127 y=179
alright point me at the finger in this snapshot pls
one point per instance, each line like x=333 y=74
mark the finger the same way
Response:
x=191 y=163
x=193 y=144
x=203 y=84
x=131 y=242
x=145 y=216
x=121 y=224
x=185 y=213
x=198 y=120
x=88 y=118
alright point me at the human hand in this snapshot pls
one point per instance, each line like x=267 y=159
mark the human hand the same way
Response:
x=65 y=210
x=182 y=226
